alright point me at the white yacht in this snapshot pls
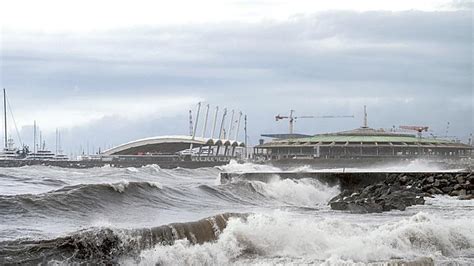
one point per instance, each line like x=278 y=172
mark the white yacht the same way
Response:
x=43 y=154
x=46 y=155
x=61 y=157
x=10 y=152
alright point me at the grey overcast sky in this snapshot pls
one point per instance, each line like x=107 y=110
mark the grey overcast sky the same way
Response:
x=106 y=72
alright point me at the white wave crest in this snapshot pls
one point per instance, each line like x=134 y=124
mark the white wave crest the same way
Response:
x=120 y=186
x=305 y=192
x=153 y=167
x=416 y=165
x=155 y=184
x=131 y=170
x=279 y=237
x=236 y=167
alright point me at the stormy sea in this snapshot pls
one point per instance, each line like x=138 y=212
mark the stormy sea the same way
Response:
x=151 y=216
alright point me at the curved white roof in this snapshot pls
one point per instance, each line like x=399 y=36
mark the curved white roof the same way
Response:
x=171 y=139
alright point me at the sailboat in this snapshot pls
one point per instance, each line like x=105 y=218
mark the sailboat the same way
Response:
x=9 y=152
x=42 y=153
x=59 y=156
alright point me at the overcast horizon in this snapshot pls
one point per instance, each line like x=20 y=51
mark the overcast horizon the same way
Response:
x=111 y=72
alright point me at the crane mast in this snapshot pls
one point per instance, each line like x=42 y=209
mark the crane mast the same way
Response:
x=292 y=119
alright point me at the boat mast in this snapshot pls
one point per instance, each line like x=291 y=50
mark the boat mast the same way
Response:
x=5 y=116
x=56 y=141
x=245 y=137
x=60 y=150
x=34 y=138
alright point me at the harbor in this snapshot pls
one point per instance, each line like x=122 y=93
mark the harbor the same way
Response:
x=216 y=139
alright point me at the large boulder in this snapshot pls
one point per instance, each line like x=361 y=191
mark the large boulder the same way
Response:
x=461 y=179
x=430 y=179
x=447 y=190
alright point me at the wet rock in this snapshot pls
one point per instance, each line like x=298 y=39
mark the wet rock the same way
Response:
x=460 y=179
x=403 y=179
x=454 y=193
x=466 y=197
x=391 y=179
x=430 y=179
x=447 y=189
x=427 y=187
x=435 y=190
x=423 y=261
x=398 y=205
x=443 y=182
x=468 y=186
x=379 y=197
x=339 y=205
x=471 y=179
x=399 y=191
x=364 y=207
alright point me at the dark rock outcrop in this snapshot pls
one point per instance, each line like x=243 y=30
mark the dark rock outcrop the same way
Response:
x=398 y=191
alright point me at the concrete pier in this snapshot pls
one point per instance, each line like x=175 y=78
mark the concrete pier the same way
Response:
x=165 y=163
x=349 y=181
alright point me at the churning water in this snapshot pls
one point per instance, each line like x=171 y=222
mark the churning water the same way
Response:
x=150 y=215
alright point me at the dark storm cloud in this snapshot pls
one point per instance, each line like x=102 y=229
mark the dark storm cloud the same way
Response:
x=404 y=65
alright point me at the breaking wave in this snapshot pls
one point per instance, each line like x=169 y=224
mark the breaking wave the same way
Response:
x=84 y=197
x=93 y=197
x=280 y=237
x=304 y=192
x=236 y=167
x=106 y=245
x=416 y=165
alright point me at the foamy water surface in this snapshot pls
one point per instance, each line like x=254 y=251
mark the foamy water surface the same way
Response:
x=289 y=220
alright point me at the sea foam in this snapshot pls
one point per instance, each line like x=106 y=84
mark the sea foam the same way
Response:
x=282 y=237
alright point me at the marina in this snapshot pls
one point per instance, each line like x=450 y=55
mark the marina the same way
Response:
x=361 y=146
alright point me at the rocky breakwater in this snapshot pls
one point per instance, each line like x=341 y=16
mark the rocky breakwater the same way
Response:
x=401 y=190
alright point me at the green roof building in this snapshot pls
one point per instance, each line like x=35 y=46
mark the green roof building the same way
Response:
x=361 y=143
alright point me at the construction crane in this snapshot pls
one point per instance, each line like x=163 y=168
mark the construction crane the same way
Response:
x=418 y=129
x=292 y=118
x=443 y=137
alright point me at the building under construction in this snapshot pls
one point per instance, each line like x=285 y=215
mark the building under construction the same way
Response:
x=363 y=142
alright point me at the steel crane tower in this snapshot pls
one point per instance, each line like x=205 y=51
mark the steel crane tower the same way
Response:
x=292 y=118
